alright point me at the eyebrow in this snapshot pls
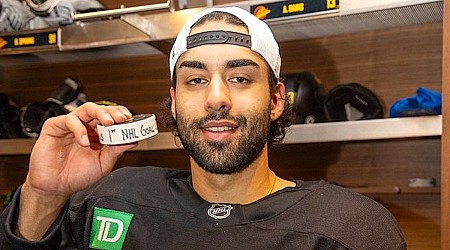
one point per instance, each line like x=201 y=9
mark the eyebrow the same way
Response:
x=193 y=64
x=241 y=63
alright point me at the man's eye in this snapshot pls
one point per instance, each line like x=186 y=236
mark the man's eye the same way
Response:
x=196 y=81
x=239 y=79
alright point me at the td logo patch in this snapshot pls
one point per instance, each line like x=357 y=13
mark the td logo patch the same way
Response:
x=109 y=228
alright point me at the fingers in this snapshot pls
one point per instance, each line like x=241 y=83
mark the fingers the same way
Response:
x=105 y=115
x=87 y=115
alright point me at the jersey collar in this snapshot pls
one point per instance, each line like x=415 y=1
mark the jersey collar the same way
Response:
x=225 y=214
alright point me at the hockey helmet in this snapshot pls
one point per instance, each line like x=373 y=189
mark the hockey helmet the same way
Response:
x=350 y=102
x=303 y=91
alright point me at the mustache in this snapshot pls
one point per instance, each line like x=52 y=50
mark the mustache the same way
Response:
x=219 y=115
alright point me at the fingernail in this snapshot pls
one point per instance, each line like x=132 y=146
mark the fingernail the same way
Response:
x=127 y=114
x=109 y=118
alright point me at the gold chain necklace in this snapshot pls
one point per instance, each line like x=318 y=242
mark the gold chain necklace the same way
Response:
x=273 y=183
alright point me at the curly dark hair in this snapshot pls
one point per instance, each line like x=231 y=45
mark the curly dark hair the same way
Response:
x=278 y=127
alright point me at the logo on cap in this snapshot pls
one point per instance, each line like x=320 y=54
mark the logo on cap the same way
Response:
x=219 y=211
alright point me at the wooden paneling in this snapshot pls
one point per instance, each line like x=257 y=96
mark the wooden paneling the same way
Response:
x=141 y=83
x=162 y=158
x=393 y=63
x=445 y=172
x=13 y=171
x=418 y=216
x=380 y=163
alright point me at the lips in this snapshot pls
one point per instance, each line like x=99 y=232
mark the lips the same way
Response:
x=219 y=130
x=219 y=125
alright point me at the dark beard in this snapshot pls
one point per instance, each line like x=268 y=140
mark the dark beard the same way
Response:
x=225 y=157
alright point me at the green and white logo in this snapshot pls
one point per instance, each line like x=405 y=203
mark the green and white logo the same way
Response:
x=109 y=228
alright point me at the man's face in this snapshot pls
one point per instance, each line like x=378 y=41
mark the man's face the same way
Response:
x=222 y=103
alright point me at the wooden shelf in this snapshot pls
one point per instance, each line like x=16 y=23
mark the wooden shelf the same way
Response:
x=389 y=128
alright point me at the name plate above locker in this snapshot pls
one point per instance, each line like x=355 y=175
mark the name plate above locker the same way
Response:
x=30 y=40
x=293 y=8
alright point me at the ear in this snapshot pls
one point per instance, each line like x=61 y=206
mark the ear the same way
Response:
x=278 y=102
x=172 y=107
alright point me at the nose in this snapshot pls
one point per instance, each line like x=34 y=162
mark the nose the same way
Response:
x=218 y=95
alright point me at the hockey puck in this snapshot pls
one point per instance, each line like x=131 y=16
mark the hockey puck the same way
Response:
x=136 y=128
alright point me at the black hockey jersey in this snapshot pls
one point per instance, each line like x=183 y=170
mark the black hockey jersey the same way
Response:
x=157 y=208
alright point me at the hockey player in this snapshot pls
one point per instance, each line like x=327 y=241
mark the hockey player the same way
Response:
x=228 y=106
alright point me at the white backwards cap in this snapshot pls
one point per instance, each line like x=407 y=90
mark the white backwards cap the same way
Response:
x=260 y=39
